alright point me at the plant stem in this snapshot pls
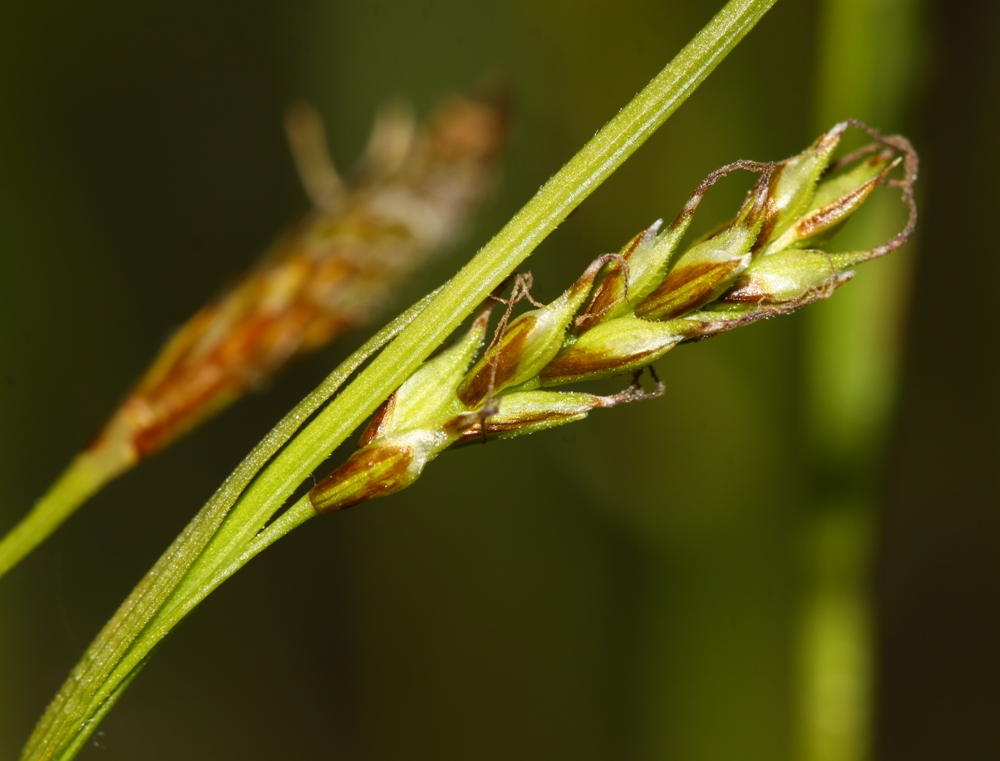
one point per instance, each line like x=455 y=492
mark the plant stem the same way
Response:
x=88 y=472
x=851 y=350
x=227 y=532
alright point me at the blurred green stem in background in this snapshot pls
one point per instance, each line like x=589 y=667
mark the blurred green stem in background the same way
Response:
x=852 y=344
x=231 y=527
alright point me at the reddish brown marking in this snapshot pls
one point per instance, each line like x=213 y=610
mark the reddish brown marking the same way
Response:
x=376 y=426
x=608 y=294
x=611 y=291
x=833 y=212
x=769 y=208
x=495 y=426
x=574 y=363
x=507 y=355
x=586 y=281
x=392 y=462
x=461 y=423
x=685 y=288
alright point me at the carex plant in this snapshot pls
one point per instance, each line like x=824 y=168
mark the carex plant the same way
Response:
x=627 y=310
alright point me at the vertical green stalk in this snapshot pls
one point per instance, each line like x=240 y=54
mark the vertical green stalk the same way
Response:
x=851 y=349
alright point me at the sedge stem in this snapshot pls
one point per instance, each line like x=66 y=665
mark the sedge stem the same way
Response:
x=86 y=474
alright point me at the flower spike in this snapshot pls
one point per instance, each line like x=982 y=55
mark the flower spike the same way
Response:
x=764 y=263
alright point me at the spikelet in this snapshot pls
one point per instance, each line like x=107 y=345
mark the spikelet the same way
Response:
x=765 y=262
x=331 y=271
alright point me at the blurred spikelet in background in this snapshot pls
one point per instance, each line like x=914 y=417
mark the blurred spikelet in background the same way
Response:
x=330 y=271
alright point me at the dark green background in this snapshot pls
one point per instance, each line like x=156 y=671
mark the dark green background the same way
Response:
x=623 y=588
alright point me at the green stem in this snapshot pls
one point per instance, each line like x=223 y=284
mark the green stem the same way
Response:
x=227 y=532
x=865 y=66
x=180 y=605
x=88 y=472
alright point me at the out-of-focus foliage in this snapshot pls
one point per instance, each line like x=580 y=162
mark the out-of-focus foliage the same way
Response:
x=512 y=603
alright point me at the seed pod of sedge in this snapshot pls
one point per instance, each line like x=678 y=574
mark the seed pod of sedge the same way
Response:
x=616 y=347
x=422 y=418
x=647 y=255
x=709 y=267
x=529 y=343
x=793 y=184
x=782 y=277
x=523 y=412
